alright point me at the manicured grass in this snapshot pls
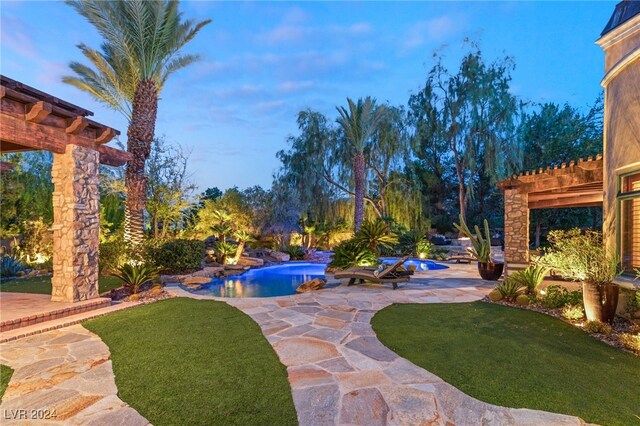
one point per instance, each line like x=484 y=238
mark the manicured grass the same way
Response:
x=5 y=376
x=42 y=285
x=516 y=358
x=183 y=361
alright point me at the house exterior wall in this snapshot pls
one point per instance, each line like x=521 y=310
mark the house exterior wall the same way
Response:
x=621 y=118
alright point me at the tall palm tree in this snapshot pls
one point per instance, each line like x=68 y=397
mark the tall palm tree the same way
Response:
x=359 y=123
x=142 y=41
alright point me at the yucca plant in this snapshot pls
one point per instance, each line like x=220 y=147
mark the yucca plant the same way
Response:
x=531 y=277
x=375 y=235
x=351 y=253
x=10 y=266
x=481 y=245
x=223 y=251
x=510 y=289
x=136 y=274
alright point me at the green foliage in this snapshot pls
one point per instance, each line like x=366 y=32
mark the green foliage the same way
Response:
x=522 y=299
x=555 y=296
x=177 y=256
x=530 y=277
x=573 y=312
x=375 y=235
x=136 y=274
x=10 y=266
x=597 y=327
x=481 y=249
x=415 y=243
x=495 y=295
x=631 y=341
x=223 y=250
x=580 y=256
x=112 y=255
x=509 y=289
x=296 y=252
x=5 y=376
x=632 y=304
x=350 y=253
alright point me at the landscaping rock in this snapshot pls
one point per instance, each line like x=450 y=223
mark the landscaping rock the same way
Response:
x=196 y=280
x=250 y=261
x=314 y=284
x=280 y=256
x=209 y=271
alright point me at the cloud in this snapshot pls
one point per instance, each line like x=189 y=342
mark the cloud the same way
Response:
x=432 y=30
x=295 y=86
x=270 y=106
x=15 y=35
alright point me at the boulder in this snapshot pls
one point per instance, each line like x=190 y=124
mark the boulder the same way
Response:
x=209 y=271
x=250 y=261
x=314 y=284
x=196 y=280
x=280 y=256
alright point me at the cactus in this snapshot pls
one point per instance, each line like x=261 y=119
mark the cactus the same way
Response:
x=481 y=250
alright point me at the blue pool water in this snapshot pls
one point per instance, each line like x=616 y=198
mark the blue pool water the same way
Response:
x=282 y=280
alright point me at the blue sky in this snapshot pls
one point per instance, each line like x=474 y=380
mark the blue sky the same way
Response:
x=263 y=62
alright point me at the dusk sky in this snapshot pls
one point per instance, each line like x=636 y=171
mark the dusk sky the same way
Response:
x=263 y=62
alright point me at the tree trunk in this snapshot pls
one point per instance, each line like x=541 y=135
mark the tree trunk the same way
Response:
x=140 y=135
x=359 y=180
x=239 y=250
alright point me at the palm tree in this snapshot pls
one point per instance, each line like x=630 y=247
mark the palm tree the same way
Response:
x=359 y=123
x=142 y=41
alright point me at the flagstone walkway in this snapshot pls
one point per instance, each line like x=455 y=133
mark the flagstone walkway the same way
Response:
x=341 y=374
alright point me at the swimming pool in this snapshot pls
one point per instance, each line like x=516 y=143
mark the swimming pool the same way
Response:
x=282 y=280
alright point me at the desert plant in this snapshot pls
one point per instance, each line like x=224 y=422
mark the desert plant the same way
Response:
x=350 y=253
x=223 y=251
x=530 y=277
x=178 y=256
x=510 y=289
x=416 y=244
x=10 y=266
x=136 y=274
x=495 y=295
x=294 y=251
x=573 y=312
x=555 y=296
x=597 y=327
x=481 y=245
x=375 y=235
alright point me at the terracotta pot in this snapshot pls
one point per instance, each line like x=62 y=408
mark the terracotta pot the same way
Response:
x=600 y=301
x=490 y=271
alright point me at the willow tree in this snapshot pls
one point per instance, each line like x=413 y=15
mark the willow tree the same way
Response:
x=474 y=114
x=359 y=123
x=141 y=49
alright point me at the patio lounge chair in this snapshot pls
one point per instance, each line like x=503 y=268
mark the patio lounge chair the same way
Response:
x=387 y=275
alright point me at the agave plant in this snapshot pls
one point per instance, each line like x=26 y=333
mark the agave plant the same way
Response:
x=10 y=266
x=531 y=277
x=136 y=274
x=481 y=249
x=350 y=253
x=510 y=289
x=375 y=235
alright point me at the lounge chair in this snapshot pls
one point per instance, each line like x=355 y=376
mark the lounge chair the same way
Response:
x=461 y=257
x=387 y=275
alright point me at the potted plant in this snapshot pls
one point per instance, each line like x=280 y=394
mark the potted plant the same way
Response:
x=581 y=256
x=481 y=250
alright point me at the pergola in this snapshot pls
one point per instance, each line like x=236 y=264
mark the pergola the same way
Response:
x=33 y=120
x=577 y=184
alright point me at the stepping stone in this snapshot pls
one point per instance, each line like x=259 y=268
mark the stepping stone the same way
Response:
x=302 y=350
x=371 y=347
x=364 y=407
x=317 y=405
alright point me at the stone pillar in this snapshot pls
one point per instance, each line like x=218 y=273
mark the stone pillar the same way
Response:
x=76 y=224
x=516 y=228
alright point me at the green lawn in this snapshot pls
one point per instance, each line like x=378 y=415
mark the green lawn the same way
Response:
x=5 y=376
x=516 y=358
x=42 y=285
x=185 y=361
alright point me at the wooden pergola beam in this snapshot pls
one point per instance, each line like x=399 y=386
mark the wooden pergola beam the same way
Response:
x=76 y=125
x=38 y=111
x=113 y=157
x=574 y=200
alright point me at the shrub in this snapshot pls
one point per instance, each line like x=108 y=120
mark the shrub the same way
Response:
x=495 y=295
x=223 y=251
x=415 y=244
x=531 y=277
x=556 y=296
x=375 y=235
x=10 y=266
x=351 y=253
x=296 y=252
x=178 y=256
x=597 y=327
x=573 y=312
x=631 y=341
x=633 y=303
x=136 y=274
x=112 y=256
x=510 y=289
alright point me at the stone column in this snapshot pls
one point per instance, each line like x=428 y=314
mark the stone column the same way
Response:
x=516 y=228
x=76 y=224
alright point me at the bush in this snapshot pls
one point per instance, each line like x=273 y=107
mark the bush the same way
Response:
x=375 y=235
x=178 y=256
x=135 y=275
x=10 y=266
x=112 y=256
x=597 y=327
x=415 y=244
x=510 y=289
x=556 y=296
x=351 y=253
x=633 y=303
x=631 y=341
x=296 y=252
x=573 y=312
x=531 y=277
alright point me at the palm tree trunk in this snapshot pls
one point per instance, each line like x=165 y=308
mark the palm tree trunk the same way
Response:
x=140 y=135
x=359 y=180
x=239 y=250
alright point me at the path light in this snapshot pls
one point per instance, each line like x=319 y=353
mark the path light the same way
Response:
x=422 y=256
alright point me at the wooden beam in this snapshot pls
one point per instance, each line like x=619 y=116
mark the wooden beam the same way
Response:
x=113 y=157
x=593 y=200
x=76 y=125
x=36 y=112
x=107 y=134
x=3 y=92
